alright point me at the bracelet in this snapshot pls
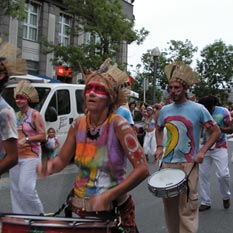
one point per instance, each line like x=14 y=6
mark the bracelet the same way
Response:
x=159 y=146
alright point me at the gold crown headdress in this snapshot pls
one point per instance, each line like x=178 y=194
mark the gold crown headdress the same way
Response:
x=117 y=82
x=179 y=71
x=25 y=89
x=120 y=80
x=10 y=61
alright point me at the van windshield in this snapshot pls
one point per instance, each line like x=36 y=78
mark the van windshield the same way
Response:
x=8 y=95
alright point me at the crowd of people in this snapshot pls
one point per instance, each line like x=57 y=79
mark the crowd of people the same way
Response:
x=188 y=135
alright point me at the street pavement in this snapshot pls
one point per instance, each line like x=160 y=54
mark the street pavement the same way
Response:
x=150 y=214
x=149 y=209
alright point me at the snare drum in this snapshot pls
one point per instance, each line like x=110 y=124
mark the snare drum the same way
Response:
x=168 y=182
x=32 y=224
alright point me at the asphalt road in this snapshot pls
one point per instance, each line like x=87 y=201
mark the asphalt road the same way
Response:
x=149 y=210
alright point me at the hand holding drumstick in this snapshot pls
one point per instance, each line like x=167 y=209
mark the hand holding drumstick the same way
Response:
x=44 y=168
x=158 y=156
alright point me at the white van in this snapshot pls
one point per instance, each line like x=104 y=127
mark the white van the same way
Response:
x=59 y=104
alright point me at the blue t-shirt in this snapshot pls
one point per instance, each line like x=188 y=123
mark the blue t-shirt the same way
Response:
x=183 y=123
x=125 y=112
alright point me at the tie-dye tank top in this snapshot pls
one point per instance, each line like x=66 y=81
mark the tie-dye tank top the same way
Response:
x=26 y=128
x=101 y=161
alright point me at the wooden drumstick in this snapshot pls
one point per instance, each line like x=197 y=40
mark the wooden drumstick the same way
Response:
x=44 y=161
x=44 y=164
x=158 y=163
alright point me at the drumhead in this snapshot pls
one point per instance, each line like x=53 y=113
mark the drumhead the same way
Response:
x=166 y=177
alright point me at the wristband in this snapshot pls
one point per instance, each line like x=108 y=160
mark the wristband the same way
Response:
x=159 y=146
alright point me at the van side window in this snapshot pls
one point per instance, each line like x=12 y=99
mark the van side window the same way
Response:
x=79 y=101
x=61 y=102
x=43 y=93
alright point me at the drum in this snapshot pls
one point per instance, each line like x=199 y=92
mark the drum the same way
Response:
x=33 y=224
x=167 y=182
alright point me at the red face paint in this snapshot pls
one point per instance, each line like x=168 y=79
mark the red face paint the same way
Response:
x=176 y=90
x=96 y=88
x=21 y=98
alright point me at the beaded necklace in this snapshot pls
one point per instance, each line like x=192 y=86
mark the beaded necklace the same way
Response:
x=93 y=132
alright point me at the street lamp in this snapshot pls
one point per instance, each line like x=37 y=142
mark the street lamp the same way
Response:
x=155 y=54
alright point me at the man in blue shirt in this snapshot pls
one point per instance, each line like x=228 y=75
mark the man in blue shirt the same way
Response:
x=183 y=120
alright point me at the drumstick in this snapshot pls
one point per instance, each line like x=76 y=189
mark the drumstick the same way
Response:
x=44 y=161
x=158 y=163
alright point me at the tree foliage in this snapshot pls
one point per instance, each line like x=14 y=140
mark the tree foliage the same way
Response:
x=180 y=51
x=215 y=69
x=108 y=28
x=13 y=8
x=177 y=50
x=104 y=18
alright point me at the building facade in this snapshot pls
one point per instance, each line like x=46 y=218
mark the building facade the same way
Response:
x=47 y=20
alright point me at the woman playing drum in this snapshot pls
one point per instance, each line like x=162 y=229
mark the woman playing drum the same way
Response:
x=102 y=141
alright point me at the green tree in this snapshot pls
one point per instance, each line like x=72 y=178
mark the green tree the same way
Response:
x=215 y=69
x=180 y=51
x=148 y=74
x=108 y=27
x=13 y=8
x=177 y=50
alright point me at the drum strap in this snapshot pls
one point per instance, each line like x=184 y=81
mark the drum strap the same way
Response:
x=65 y=207
x=118 y=216
x=188 y=189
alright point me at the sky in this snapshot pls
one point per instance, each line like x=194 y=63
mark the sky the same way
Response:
x=200 y=21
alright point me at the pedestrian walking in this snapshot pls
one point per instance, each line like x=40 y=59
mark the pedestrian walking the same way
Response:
x=149 y=144
x=31 y=131
x=217 y=155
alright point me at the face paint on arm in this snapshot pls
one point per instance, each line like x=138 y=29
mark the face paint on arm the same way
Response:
x=131 y=143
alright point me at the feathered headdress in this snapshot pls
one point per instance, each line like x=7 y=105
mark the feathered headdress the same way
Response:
x=10 y=62
x=179 y=71
x=25 y=89
x=117 y=82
